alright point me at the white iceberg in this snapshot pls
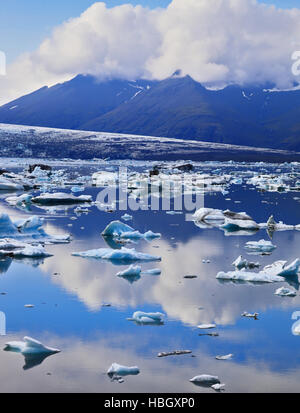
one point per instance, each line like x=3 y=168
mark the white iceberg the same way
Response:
x=142 y=318
x=285 y=292
x=126 y=217
x=29 y=346
x=10 y=185
x=240 y=263
x=226 y=357
x=60 y=198
x=218 y=386
x=205 y=380
x=206 y=326
x=119 y=370
x=13 y=248
x=28 y=229
x=271 y=273
x=260 y=246
x=24 y=199
x=120 y=230
x=121 y=255
x=236 y=224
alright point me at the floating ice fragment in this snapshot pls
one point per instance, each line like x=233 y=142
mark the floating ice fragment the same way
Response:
x=206 y=326
x=142 y=318
x=29 y=346
x=240 y=263
x=123 y=255
x=249 y=315
x=260 y=246
x=120 y=230
x=24 y=199
x=60 y=198
x=226 y=357
x=263 y=276
x=174 y=353
x=126 y=217
x=218 y=387
x=118 y=369
x=205 y=380
x=285 y=292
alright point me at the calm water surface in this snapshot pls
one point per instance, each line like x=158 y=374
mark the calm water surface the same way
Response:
x=69 y=294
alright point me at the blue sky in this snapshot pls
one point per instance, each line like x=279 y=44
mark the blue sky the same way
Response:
x=24 y=24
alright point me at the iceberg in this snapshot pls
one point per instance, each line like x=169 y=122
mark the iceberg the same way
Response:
x=205 y=380
x=249 y=315
x=206 y=326
x=226 y=357
x=285 y=292
x=141 y=318
x=218 y=387
x=119 y=370
x=126 y=217
x=124 y=255
x=174 y=353
x=29 y=346
x=34 y=352
x=261 y=246
x=240 y=263
x=120 y=230
x=22 y=200
x=237 y=224
x=10 y=185
x=13 y=248
x=60 y=198
x=29 y=229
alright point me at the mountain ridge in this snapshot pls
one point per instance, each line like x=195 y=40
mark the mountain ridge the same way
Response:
x=177 y=107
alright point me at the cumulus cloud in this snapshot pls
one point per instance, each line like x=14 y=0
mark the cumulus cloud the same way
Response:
x=217 y=42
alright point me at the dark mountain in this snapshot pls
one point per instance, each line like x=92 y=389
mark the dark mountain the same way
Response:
x=178 y=107
x=71 y=104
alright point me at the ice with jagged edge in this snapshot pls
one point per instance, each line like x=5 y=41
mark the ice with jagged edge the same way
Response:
x=123 y=255
x=120 y=230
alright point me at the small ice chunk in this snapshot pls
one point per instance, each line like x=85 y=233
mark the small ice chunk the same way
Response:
x=205 y=380
x=249 y=315
x=120 y=230
x=29 y=346
x=122 y=255
x=285 y=292
x=60 y=198
x=260 y=246
x=173 y=353
x=218 y=386
x=126 y=217
x=240 y=263
x=226 y=357
x=206 y=326
x=147 y=318
x=118 y=369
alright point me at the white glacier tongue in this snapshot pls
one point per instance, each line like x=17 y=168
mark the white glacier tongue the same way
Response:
x=124 y=255
x=271 y=273
x=120 y=230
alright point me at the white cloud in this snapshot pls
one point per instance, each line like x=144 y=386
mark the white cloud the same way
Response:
x=216 y=42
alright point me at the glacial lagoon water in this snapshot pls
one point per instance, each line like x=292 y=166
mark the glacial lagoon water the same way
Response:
x=81 y=306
